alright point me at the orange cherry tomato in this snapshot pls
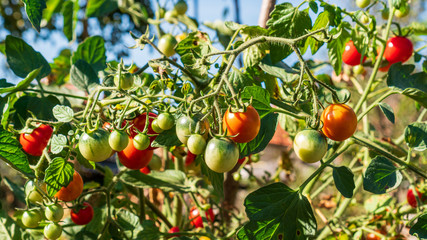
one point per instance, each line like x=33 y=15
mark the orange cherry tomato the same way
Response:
x=245 y=125
x=339 y=122
x=73 y=190
x=133 y=158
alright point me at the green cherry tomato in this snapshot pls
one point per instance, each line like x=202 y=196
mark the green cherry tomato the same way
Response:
x=170 y=16
x=167 y=44
x=155 y=127
x=181 y=7
x=363 y=3
x=237 y=176
x=186 y=125
x=165 y=121
x=54 y=212
x=403 y=11
x=358 y=69
x=94 y=146
x=52 y=231
x=221 y=154
x=33 y=194
x=31 y=218
x=118 y=140
x=196 y=144
x=364 y=19
x=125 y=82
x=155 y=163
x=141 y=141
x=310 y=145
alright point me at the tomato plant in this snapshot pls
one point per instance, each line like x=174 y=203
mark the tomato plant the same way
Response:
x=35 y=142
x=83 y=214
x=310 y=125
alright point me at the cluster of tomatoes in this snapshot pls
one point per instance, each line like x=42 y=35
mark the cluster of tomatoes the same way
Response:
x=339 y=123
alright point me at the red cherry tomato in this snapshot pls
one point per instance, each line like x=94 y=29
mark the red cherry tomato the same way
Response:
x=351 y=56
x=35 y=142
x=139 y=123
x=82 y=216
x=242 y=160
x=410 y=196
x=133 y=158
x=245 y=125
x=196 y=219
x=398 y=49
x=73 y=190
x=145 y=170
x=190 y=158
x=339 y=122
x=174 y=230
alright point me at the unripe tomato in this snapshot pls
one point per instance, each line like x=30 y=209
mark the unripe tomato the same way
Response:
x=31 y=218
x=139 y=123
x=133 y=158
x=34 y=196
x=174 y=230
x=185 y=126
x=125 y=82
x=170 y=16
x=410 y=196
x=167 y=44
x=339 y=122
x=196 y=144
x=403 y=11
x=155 y=163
x=196 y=219
x=141 y=141
x=221 y=154
x=156 y=127
x=310 y=146
x=95 y=146
x=165 y=121
x=35 y=142
x=384 y=13
x=398 y=49
x=358 y=69
x=145 y=170
x=364 y=19
x=73 y=190
x=52 y=231
x=54 y=212
x=363 y=3
x=351 y=56
x=82 y=216
x=245 y=125
x=181 y=7
x=237 y=176
x=119 y=140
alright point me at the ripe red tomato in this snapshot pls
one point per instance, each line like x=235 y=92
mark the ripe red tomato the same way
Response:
x=398 y=49
x=133 y=158
x=190 y=158
x=372 y=236
x=245 y=125
x=35 y=142
x=351 y=56
x=73 y=190
x=139 y=123
x=196 y=219
x=339 y=122
x=410 y=196
x=82 y=216
x=145 y=170
x=174 y=230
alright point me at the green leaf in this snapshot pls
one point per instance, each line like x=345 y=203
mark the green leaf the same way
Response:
x=98 y=8
x=68 y=13
x=260 y=99
x=280 y=70
x=52 y=6
x=387 y=110
x=411 y=85
x=23 y=59
x=381 y=176
x=22 y=85
x=344 y=180
x=278 y=212
x=10 y=153
x=168 y=180
x=18 y=191
x=61 y=67
x=63 y=113
x=92 y=50
x=34 y=10
x=58 y=142
x=40 y=107
x=288 y=22
x=148 y=230
x=336 y=48
x=10 y=228
x=321 y=21
x=397 y=3
x=420 y=228
x=6 y=106
x=255 y=53
x=238 y=80
x=82 y=76
x=84 y=162
x=265 y=134
x=217 y=179
x=166 y=139
x=416 y=136
x=313 y=6
x=59 y=174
